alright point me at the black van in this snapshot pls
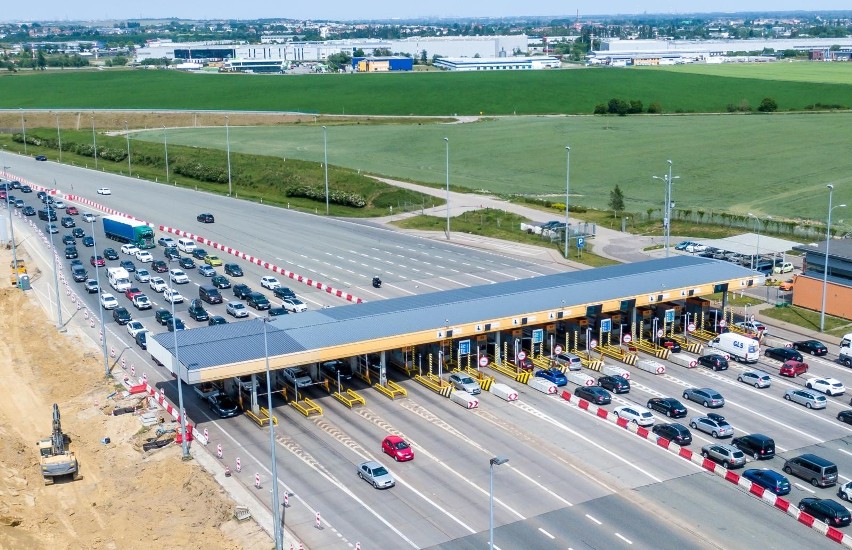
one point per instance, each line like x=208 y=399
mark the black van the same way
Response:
x=210 y=294
x=757 y=446
x=47 y=214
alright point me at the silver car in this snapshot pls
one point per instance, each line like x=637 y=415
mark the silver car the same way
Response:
x=726 y=455
x=713 y=424
x=296 y=376
x=756 y=378
x=464 y=382
x=808 y=398
x=569 y=360
x=375 y=474
x=708 y=397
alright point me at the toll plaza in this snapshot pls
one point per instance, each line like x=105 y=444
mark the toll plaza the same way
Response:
x=509 y=329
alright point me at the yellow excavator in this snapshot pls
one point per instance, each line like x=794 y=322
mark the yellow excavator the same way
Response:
x=56 y=459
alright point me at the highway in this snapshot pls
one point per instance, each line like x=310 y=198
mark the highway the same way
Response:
x=572 y=481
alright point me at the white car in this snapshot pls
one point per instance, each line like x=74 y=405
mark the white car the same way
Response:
x=172 y=296
x=269 y=282
x=636 y=414
x=695 y=247
x=828 y=386
x=294 y=304
x=129 y=249
x=108 y=301
x=237 y=309
x=88 y=217
x=142 y=302
x=134 y=328
x=178 y=276
x=753 y=327
x=144 y=256
x=59 y=204
x=142 y=275
x=104 y=191
x=158 y=284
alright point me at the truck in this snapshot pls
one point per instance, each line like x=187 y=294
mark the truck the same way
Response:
x=125 y=230
x=739 y=347
x=845 y=355
x=119 y=278
x=56 y=459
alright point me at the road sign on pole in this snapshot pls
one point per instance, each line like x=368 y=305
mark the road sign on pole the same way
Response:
x=581 y=242
x=538 y=336
x=522 y=355
x=593 y=343
x=670 y=314
x=464 y=347
x=660 y=333
x=558 y=349
x=690 y=327
x=627 y=338
x=606 y=325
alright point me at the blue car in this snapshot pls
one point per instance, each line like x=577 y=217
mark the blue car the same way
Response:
x=770 y=480
x=554 y=375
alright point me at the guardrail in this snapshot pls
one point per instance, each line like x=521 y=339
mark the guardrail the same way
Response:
x=436 y=384
x=656 y=351
x=617 y=352
x=350 y=398
x=307 y=407
x=263 y=418
x=391 y=389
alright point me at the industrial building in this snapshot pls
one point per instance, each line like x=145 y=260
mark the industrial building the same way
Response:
x=497 y=63
x=808 y=287
x=382 y=64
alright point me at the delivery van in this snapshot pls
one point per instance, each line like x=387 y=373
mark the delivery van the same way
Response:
x=739 y=347
x=186 y=245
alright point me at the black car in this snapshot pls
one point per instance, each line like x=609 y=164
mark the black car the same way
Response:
x=258 y=301
x=110 y=254
x=783 y=354
x=26 y=189
x=675 y=432
x=715 y=362
x=615 y=384
x=220 y=281
x=826 y=510
x=669 y=406
x=162 y=316
x=669 y=343
x=814 y=347
x=67 y=221
x=88 y=241
x=171 y=253
x=128 y=265
x=186 y=263
x=276 y=311
x=141 y=339
x=216 y=320
x=757 y=446
x=199 y=254
x=242 y=291
x=41 y=158
x=283 y=292
x=197 y=311
x=845 y=416
x=224 y=407
x=175 y=324
x=159 y=266
x=121 y=315
x=71 y=252
x=594 y=394
x=204 y=218
x=68 y=240
x=41 y=195
x=332 y=369
x=78 y=233
x=28 y=211
x=233 y=270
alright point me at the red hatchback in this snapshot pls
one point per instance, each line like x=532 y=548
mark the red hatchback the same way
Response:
x=395 y=446
x=131 y=292
x=97 y=262
x=793 y=368
x=72 y=211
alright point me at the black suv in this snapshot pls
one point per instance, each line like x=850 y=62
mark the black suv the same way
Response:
x=331 y=368
x=826 y=510
x=715 y=362
x=197 y=311
x=669 y=406
x=121 y=315
x=283 y=292
x=204 y=218
x=258 y=301
x=674 y=432
x=783 y=354
x=162 y=316
x=615 y=384
x=757 y=446
x=242 y=291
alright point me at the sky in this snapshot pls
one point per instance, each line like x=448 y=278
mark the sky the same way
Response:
x=342 y=10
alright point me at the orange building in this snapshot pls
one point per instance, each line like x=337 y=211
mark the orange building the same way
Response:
x=807 y=292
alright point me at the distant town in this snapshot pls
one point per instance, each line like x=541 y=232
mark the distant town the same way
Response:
x=293 y=46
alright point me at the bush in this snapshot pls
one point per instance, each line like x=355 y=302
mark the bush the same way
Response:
x=600 y=109
x=768 y=105
x=655 y=108
x=318 y=194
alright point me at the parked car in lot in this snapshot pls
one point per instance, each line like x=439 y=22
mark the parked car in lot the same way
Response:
x=237 y=309
x=770 y=480
x=669 y=406
x=713 y=424
x=464 y=382
x=683 y=244
x=375 y=474
x=615 y=384
x=635 y=413
x=727 y=455
x=552 y=374
x=828 y=386
x=756 y=378
x=397 y=448
x=793 y=368
x=808 y=398
x=708 y=397
x=757 y=446
x=294 y=305
x=783 y=267
x=826 y=510
x=233 y=270
x=713 y=361
x=813 y=347
x=677 y=433
x=783 y=354
x=593 y=394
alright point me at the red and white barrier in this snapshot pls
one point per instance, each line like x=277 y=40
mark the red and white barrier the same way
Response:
x=257 y=481
x=219 y=450
x=192 y=431
x=239 y=466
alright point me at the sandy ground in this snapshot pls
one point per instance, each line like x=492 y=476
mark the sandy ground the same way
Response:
x=126 y=498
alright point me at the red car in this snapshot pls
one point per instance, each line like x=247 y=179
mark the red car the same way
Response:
x=793 y=368
x=159 y=266
x=72 y=211
x=395 y=446
x=97 y=262
x=131 y=292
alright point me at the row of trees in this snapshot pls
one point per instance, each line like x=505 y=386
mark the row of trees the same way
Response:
x=622 y=107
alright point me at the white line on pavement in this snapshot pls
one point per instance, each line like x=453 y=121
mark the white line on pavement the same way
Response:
x=545 y=533
x=628 y=541
x=593 y=519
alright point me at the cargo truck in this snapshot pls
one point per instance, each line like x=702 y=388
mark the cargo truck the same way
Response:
x=125 y=230
x=845 y=355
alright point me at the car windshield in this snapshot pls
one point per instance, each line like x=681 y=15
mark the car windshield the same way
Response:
x=380 y=471
x=646 y=414
x=819 y=397
x=737 y=454
x=752 y=348
x=466 y=380
x=401 y=445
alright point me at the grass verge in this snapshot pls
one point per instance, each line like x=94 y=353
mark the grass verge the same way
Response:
x=808 y=319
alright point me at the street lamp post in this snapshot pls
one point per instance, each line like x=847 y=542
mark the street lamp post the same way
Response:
x=127 y=135
x=56 y=276
x=184 y=444
x=758 y=224
x=447 y=143
x=166 y=147
x=276 y=525
x=100 y=305
x=567 y=190
x=325 y=164
x=94 y=142
x=228 y=147
x=12 y=229
x=667 y=207
x=496 y=461
x=59 y=138
x=24 y=130
x=825 y=266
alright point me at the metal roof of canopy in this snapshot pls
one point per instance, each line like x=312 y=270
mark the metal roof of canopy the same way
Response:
x=752 y=243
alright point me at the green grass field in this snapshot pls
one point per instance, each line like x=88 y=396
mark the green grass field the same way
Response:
x=430 y=93
x=797 y=71
x=765 y=164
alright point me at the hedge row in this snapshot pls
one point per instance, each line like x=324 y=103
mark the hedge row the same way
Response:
x=318 y=193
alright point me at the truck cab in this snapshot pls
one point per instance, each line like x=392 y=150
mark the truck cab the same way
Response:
x=845 y=355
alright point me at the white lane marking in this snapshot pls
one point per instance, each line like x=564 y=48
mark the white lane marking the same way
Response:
x=844 y=451
x=452 y=281
x=400 y=288
x=418 y=283
x=619 y=535
x=478 y=277
x=545 y=533
x=803 y=488
x=593 y=519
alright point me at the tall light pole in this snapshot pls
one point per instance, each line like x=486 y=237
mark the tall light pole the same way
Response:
x=496 y=461
x=56 y=274
x=94 y=142
x=59 y=138
x=825 y=267
x=166 y=147
x=276 y=524
x=228 y=146
x=667 y=208
x=183 y=443
x=447 y=142
x=24 y=129
x=325 y=164
x=127 y=135
x=567 y=190
x=757 y=224
x=12 y=228
x=100 y=305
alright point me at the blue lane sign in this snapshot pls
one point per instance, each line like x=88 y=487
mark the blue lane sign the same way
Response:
x=581 y=242
x=670 y=315
x=538 y=336
x=464 y=347
x=606 y=325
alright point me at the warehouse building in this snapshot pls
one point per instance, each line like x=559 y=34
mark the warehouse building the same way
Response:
x=808 y=287
x=497 y=63
x=382 y=64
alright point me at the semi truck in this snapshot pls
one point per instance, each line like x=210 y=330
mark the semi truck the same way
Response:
x=125 y=230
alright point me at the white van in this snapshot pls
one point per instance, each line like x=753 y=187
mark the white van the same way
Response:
x=739 y=347
x=119 y=278
x=186 y=245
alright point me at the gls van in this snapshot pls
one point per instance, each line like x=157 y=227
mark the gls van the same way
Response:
x=739 y=347
x=186 y=245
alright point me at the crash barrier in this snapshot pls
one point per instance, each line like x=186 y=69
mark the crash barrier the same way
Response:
x=612 y=370
x=651 y=366
x=618 y=353
x=350 y=398
x=543 y=385
x=695 y=457
x=307 y=407
x=653 y=349
x=464 y=399
x=684 y=360
x=704 y=335
x=435 y=383
x=261 y=419
x=160 y=398
x=391 y=389
x=581 y=379
x=504 y=392
x=481 y=378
